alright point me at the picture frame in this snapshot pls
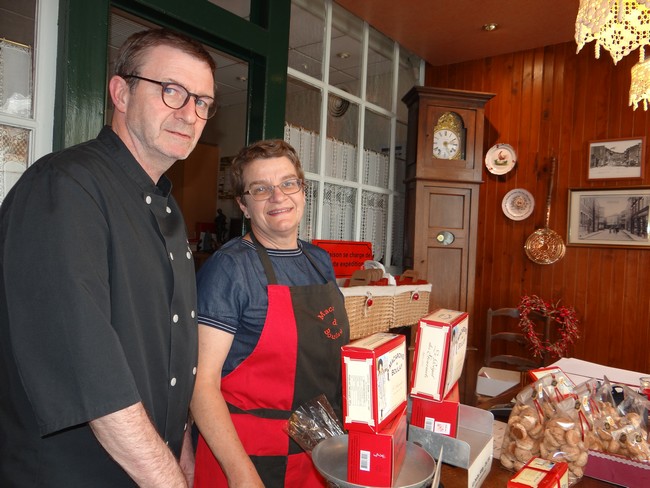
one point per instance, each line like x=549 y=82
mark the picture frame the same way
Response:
x=616 y=159
x=610 y=217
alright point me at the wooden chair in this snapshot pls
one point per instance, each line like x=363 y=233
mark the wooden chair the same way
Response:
x=523 y=360
x=515 y=356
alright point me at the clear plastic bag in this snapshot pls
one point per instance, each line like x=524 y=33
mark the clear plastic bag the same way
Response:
x=563 y=439
x=313 y=422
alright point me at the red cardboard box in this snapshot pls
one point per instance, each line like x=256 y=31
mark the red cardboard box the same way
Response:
x=439 y=355
x=439 y=417
x=375 y=459
x=374 y=381
x=540 y=473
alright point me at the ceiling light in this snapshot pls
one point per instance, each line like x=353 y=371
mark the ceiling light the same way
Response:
x=242 y=78
x=490 y=27
x=343 y=55
x=620 y=26
x=640 y=86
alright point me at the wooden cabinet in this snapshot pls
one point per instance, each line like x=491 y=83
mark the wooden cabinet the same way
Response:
x=442 y=195
x=194 y=183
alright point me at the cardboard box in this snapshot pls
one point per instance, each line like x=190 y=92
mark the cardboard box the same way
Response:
x=374 y=381
x=439 y=355
x=540 y=473
x=375 y=459
x=492 y=382
x=440 y=417
x=617 y=470
x=471 y=450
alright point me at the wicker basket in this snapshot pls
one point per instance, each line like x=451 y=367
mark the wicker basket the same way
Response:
x=370 y=309
x=411 y=303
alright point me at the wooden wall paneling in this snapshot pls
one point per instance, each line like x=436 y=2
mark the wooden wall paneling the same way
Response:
x=552 y=100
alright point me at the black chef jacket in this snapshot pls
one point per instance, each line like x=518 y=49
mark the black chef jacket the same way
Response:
x=96 y=313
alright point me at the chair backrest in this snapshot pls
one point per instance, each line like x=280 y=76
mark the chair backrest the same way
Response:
x=523 y=360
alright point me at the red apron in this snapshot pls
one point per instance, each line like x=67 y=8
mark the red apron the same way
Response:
x=296 y=359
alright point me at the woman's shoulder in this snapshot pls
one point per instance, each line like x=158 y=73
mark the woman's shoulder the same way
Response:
x=231 y=255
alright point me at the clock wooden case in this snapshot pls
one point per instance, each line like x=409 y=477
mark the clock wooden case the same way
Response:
x=442 y=194
x=442 y=190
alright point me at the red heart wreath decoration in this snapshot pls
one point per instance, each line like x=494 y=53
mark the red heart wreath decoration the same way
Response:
x=565 y=317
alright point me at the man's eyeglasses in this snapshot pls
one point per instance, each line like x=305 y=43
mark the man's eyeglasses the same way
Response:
x=264 y=192
x=176 y=96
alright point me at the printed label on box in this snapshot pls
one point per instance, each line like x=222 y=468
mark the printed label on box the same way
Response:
x=359 y=389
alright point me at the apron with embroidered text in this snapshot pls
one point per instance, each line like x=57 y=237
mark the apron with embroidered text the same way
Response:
x=296 y=359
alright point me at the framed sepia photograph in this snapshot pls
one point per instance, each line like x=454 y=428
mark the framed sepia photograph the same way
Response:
x=609 y=217
x=616 y=159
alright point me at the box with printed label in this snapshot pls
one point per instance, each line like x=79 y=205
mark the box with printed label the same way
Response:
x=375 y=459
x=437 y=416
x=541 y=473
x=440 y=346
x=374 y=381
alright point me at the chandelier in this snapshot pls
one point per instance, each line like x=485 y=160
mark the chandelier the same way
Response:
x=620 y=27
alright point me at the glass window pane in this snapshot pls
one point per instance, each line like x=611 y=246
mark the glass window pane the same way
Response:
x=17 y=30
x=306 y=38
x=307 y=229
x=407 y=78
x=346 y=50
x=302 y=129
x=376 y=151
x=374 y=221
x=342 y=137
x=379 y=81
x=14 y=156
x=338 y=212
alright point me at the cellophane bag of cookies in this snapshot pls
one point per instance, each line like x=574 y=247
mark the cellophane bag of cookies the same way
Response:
x=525 y=428
x=623 y=430
x=563 y=439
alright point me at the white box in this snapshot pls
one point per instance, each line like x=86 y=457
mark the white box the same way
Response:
x=471 y=449
x=439 y=355
x=494 y=381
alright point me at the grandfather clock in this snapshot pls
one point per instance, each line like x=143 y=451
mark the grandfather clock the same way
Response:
x=444 y=168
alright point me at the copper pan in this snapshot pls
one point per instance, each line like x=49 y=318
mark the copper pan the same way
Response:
x=545 y=246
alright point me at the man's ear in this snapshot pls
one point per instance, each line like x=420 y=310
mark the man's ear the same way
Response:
x=120 y=91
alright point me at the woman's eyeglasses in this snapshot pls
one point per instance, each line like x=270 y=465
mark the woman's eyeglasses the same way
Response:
x=264 y=192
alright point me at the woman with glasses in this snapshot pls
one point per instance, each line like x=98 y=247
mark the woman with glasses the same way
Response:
x=272 y=323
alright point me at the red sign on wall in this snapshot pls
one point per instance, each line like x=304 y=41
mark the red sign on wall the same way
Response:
x=347 y=256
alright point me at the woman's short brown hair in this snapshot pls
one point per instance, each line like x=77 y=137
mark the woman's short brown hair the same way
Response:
x=266 y=149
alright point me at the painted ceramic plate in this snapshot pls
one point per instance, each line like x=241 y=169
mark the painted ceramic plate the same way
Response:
x=518 y=204
x=500 y=159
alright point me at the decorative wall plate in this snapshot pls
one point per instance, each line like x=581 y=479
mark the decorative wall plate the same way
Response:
x=500 y=159
x=518 y=204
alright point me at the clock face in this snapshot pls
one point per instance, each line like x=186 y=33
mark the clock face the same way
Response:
x=446 y=144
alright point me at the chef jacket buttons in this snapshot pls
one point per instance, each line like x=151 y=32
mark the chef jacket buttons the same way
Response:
x=173 y=382
x=193 y=314
x=171 y=256
x=175 y=318
x=194 y=370
x=169 y=210
x=148 y=199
